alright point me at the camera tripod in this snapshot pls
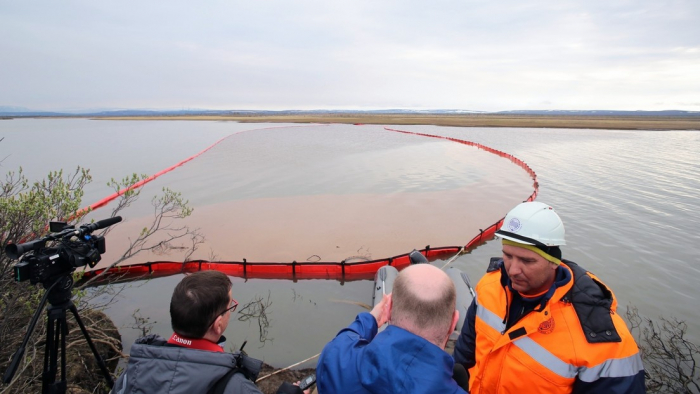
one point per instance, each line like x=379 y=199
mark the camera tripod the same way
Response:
x=59 y=298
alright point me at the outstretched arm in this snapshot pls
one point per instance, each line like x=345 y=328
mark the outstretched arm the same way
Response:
x=381 y=310
x=338 y=364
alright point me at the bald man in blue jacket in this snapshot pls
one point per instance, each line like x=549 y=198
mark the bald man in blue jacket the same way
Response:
x=408 y=356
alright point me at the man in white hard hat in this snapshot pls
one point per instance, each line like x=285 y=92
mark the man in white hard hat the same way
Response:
x=540 y=324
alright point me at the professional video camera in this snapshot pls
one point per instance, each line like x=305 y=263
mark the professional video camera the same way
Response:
x=50 y=261
x=69 y=249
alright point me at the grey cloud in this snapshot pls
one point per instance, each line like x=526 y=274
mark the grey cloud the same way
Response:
x=449 y=54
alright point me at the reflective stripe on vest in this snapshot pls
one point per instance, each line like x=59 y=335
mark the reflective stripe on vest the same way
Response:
x=490 y=318
x=611 y=368
x=546 y=358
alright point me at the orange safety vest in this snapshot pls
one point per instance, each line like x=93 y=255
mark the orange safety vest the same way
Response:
x=546 y=351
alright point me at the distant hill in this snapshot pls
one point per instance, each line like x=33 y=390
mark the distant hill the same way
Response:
x=603 y=113
x=5 y=108
x=26 y=112
x=9 y=111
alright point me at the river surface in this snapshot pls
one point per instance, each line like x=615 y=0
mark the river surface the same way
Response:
x=303 y=192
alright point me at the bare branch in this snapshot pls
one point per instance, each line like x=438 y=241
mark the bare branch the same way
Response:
x=670 y=360
x=167 y=209
x=257 y=309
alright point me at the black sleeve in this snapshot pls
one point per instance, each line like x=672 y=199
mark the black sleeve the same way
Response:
x=240 y=384
x=465 y=347
x=619 y=385
x=288 y=388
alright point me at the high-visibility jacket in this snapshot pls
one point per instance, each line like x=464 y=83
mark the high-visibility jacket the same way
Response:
x=574 y=343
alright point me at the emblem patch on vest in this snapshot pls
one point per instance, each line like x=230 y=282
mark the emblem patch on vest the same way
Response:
x=546 y=327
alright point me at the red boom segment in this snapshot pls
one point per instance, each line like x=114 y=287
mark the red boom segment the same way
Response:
x=342 y=271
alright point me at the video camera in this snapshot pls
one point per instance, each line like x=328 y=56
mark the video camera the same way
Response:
x=69 y=248
x=50 y=261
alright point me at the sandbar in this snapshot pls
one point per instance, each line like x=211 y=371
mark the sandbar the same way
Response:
x=613 y=122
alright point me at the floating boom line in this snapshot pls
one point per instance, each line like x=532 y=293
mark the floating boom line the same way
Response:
x=346 y=270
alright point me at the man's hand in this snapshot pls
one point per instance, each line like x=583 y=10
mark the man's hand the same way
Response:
x=288 y=388
x=307 y=391
x=381 y=310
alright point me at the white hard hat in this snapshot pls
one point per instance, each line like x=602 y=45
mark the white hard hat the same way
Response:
x=533 y=223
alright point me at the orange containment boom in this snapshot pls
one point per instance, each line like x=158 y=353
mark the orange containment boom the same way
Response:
x=342 y=271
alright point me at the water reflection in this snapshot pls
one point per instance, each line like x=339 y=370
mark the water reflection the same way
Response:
x=628 y=198
x=256 y=310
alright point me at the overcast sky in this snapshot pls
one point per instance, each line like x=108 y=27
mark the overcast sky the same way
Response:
x=260 y=54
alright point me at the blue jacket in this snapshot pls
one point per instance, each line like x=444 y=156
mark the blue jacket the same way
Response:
x=395 y=361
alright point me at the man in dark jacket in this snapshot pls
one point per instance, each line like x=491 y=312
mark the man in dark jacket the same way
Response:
x=540 y=324
x=193 y=360
x=408 y=356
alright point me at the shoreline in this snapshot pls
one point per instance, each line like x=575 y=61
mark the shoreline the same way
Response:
x=462 y=120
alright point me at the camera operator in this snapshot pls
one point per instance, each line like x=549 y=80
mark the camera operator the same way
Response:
x=407 y=357
x=193 y=359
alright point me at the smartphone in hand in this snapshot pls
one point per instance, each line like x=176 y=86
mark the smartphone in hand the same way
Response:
x=307 y=382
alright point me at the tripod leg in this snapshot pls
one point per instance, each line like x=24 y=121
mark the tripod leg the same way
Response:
x=48 y=375
x=17 y=357
x=98 y=358
x=56 y=332
x=64 y=335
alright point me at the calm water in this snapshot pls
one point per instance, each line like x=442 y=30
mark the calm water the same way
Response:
x=628 y=200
